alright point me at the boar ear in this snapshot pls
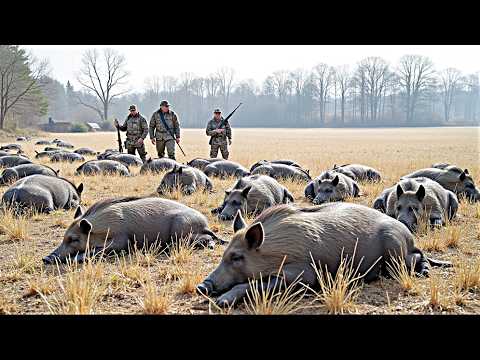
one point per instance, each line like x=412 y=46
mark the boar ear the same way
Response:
x=420 y=192
x=78 y=212
x=238 y=222
x=465 y=171
x=254 y=236
x=399 y=191
x=335 y=181
x=80 y=188
x=228 y=192
x=85 y=226
x=246 y=191
x=463 y=176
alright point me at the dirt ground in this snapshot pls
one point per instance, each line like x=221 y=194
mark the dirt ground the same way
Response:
x=151 y=283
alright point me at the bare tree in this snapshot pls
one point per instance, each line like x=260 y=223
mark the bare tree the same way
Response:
x=377 y=74
x=153 y=86
x=416 y=74
x=21 y=79
x=225 y=77
x=344 y=80
x=449 y=80
x=472 y=84
x=103 y=78
x=323 y=77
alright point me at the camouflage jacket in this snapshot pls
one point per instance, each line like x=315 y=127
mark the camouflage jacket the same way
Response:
x=219 y=138
x=136 y=128
x=158 y=131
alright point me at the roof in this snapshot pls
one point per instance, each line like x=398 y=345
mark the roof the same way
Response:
x=93 y=125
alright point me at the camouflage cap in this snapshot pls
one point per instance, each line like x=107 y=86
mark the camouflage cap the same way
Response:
x=132 y=107
x=217 y=110
x=164 y=103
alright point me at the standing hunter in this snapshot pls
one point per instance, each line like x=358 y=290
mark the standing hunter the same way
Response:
x=161 y=130
x=137 y=130
x=219 y=130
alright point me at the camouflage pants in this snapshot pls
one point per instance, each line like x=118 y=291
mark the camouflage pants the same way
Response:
x=141 y=151
x=169 y=144
x=223 y=149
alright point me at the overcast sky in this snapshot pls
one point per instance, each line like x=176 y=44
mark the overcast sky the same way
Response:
x=249 y=61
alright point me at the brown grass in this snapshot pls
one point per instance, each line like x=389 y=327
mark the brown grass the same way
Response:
x=394 y=152
x=153 y=302
x=402 y=275
x=15 y=227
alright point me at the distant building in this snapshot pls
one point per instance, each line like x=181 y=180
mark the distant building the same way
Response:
x=56 y=126
x=93 y=126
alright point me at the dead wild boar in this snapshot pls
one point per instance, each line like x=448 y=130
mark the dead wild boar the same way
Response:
x=126 y=159
x=43 y=142
x=158 y=165
x=251 y=195
x=45 y=154
x=14 y=173
x=451 y=178
x=331 y=186
x=66 y=157
x=64 y=144
x=281 y=161
x=11 y=147
x=51 y=148
x=225 y=168
x=298 y=236
x=13 y=160
x=117 y=224
x=102 y=167
x=86 y=151
x=43 y=193
x=359 y=172
x=107 y=153
x=187 y=178
x=410 y=199
x=200 y=163
x=282 y=171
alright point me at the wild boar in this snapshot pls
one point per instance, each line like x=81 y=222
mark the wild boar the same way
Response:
x=66 y=156
x=51 y=148
x=86 y=151
x=43 y=142
x=126 y=159
x=13 y=160
x=264 y=162
x=23 y=138
x=64 y=144
x=251 y=195
x=224 y=168
x=410 y=199
x=11 y=147
x=43 y=193
x=451 y=178
x=331 y=186
x=158 y=165
x=45 y=154
x=102 y=167
x=20 y=171
x=200 y=163
x=107 y=153
x=298 y=236
x=117 y=224
x=282 y=171
x=187 y=178
x=359 y=172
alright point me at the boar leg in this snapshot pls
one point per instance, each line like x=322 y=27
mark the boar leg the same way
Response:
x=290 y=273
x=436 y=221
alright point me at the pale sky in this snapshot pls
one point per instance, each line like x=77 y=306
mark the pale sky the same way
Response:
x=249 y=61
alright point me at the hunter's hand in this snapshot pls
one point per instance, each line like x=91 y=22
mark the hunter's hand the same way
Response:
x=140 y=142
x=153 y=141
x=229 y=141
x=221 y=130
x=177 y=140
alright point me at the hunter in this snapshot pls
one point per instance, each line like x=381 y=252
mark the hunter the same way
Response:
x=165 y=130
x=137 y=130
x=219 y=130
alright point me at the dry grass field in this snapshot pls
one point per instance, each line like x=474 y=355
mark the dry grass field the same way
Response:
x=149 y=282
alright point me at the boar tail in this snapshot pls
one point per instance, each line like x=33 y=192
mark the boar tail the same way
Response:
x=214 y=236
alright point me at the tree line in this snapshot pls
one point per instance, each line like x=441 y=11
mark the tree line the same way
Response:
x=372 y=92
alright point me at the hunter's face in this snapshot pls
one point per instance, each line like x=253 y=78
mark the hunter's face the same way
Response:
x=164 y=108
x=217 y=115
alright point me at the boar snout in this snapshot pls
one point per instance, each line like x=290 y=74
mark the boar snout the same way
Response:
x=51 y=259
x=205 y=288
x=225 y=217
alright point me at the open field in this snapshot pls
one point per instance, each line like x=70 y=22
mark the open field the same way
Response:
x=151 y=283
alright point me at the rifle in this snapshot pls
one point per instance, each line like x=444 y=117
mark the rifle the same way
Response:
x=119 y=139
x=224 y=121
x=170 y=132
